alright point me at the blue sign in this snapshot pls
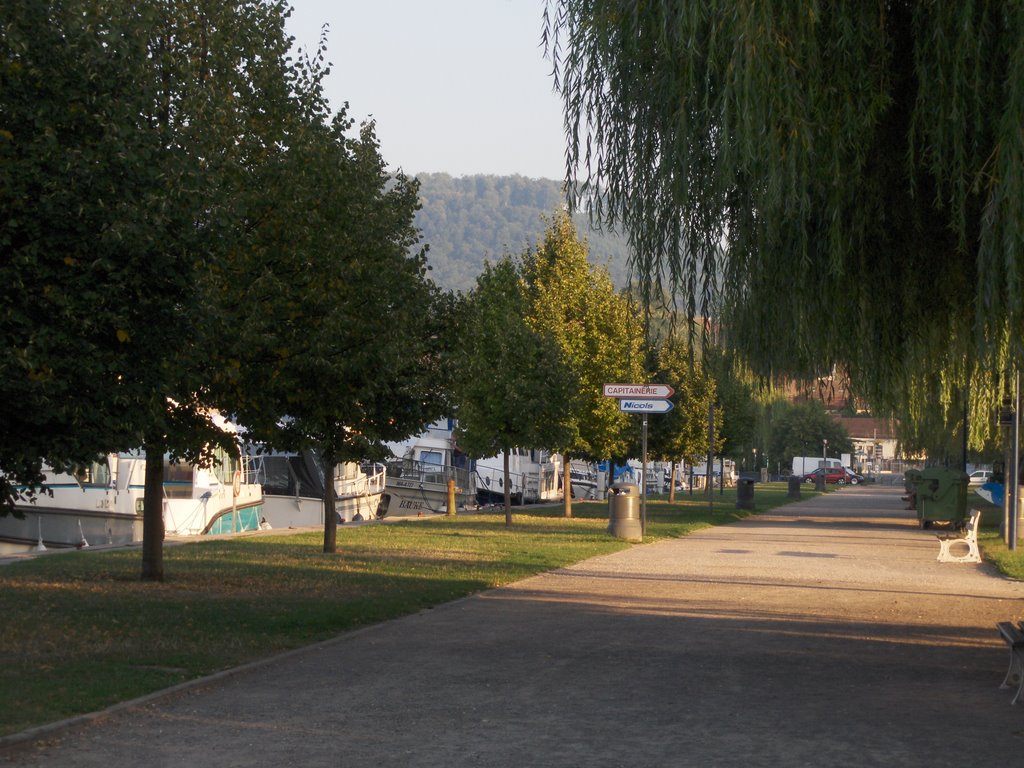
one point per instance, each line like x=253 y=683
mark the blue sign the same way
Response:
x=630 y=405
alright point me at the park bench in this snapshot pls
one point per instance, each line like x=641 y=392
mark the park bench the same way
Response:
x=1014 y=637
x=961 y=546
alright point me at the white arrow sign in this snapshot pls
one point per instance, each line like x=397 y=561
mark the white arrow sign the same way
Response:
x=644 y=405
x=638 y=390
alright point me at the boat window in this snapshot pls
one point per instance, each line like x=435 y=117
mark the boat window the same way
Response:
x=178 y=480
x=431 y=457
x=96 y=474
x=224 y=466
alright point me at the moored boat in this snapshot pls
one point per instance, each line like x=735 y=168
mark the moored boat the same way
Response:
x=534 y=476
x=418 y=476
x=103 y=503
x=293 y=489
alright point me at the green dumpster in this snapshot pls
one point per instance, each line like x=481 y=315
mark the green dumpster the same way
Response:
x=942 y=496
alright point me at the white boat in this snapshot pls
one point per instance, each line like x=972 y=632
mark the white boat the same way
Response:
x=102 y=504
x=583 y=478
x=534 y=476
x=293 y=489
x=418 y=475
x=225 y=498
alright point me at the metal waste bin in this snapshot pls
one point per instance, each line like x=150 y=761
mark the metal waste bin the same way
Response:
x=794 y=487
x=744 y=493
x=624 y=512
x=942 y=496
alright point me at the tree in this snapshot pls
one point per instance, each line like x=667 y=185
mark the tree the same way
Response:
x=598 y=333
x=735 y=400
x=682 y=433
x=98 y=239
x=861 y=166
x=126 y=130
x=512 y=386
x=800 y=429
x=338 y=337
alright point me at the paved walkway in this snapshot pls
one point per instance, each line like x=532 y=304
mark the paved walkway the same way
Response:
x=825 y=634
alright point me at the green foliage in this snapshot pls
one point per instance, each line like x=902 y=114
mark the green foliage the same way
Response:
x=798 y=429
x=862 y=164
x=597 y=332
x=185 y=228
x=468 y=219
x=98 y=207
x=336 y=336
x=511 y=384
x=682 y=433
x=738 y=406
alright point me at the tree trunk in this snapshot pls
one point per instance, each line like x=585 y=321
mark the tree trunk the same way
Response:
x=508 y=490
x=566 y=486
x=672 y=485
x=330 y=512
x=153 y=515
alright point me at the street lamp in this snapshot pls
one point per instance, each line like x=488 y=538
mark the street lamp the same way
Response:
x=755 y=459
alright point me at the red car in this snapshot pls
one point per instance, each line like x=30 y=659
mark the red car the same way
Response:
x=835 y=475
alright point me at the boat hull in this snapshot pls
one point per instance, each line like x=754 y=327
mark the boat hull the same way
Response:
x=58 y=528
x=308 y=512
x=408 y=498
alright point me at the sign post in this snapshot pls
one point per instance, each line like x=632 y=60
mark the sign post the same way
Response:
x=643 y=399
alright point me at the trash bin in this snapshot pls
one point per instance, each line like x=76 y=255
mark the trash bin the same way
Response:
x=942 y=496
x=744 y=493
x=794 y=487
x=819 y=482
x=624 y=512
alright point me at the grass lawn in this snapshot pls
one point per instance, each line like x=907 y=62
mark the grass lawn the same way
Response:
x=81 y=632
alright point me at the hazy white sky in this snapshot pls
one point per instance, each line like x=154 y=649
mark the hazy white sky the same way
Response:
x=456 y=86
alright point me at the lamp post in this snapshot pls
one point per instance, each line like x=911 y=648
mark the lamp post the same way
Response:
x=824 y=453
x=755 y=459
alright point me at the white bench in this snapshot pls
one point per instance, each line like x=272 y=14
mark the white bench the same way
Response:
x=1014 y=637
x=961 y=547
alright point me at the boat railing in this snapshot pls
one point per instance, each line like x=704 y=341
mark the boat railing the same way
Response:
x=427 y=472
x=376 y=477
x=493 y=479
x=369 y=482
x=253 y=470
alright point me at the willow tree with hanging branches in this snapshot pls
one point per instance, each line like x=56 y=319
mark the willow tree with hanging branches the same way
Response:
x=848 y=179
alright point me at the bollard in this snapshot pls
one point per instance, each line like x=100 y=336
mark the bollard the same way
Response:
x=744 y=493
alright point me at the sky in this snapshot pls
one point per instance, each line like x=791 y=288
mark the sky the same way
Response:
x=455 y=86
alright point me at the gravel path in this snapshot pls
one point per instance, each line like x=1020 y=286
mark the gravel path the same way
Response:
x=824 y=634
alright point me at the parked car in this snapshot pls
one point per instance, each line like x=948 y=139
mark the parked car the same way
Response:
x=853 y=478
x=834 y=475
x=979 y=477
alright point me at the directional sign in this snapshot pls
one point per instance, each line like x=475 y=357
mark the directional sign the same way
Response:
x=638 y=390
x=644 y=405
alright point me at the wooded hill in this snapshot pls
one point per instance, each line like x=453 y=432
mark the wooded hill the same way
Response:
x=470 y=219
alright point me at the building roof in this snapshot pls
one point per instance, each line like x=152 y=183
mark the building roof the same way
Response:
x=867 y=427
